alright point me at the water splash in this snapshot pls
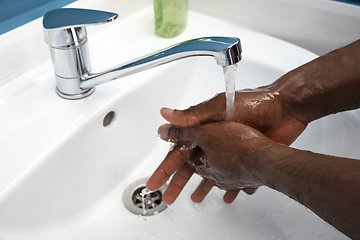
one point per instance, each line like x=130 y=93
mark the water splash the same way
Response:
x=186 y=148
x=230 y=77
x=143 y=193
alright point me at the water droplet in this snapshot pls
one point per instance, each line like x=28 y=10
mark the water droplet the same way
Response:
x=144 y=201
x=172 y=145
x=184 y=148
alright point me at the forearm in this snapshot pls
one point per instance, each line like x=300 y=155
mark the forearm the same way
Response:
x=327 y=185
x=326 y=85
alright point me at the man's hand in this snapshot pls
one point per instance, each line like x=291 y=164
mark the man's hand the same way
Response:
x=237 y=157
x=258 y=108
x=226 y=154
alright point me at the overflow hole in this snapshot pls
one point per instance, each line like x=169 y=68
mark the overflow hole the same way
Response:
x=108 y=119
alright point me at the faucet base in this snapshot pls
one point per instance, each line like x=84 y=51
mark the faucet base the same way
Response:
x=75 y=96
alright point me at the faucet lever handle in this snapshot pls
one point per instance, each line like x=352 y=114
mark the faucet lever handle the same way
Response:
x=74 y=17
x=65 y=27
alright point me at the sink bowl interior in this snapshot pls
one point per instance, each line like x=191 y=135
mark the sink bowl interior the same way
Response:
x=74 y=190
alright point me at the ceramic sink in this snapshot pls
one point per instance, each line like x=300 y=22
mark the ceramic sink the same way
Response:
x=63 y=173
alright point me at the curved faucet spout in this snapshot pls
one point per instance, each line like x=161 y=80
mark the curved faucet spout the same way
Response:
x=225 y=50
x=66 y=35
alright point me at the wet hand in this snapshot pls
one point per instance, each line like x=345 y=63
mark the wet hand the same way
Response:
x=258 y=108
x=226 y=154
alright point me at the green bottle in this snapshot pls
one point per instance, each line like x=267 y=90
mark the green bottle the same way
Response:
x=170 y=17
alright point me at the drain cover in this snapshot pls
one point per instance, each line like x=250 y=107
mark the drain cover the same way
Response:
x=135 y=203
x=149 y=201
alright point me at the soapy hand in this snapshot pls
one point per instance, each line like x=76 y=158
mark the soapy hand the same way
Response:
x=234 y=156
x=258 y=108
x=226 y=154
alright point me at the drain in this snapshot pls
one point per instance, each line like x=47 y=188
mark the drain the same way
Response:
x=135 y=203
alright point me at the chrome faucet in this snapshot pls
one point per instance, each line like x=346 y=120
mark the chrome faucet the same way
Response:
x=65 y=33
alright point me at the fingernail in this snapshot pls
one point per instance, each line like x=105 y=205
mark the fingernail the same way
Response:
x=164 y=131
x=167 y=110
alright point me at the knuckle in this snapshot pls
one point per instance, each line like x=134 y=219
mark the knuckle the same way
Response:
x=181 y=136
x=174 y=134
x=182 y=156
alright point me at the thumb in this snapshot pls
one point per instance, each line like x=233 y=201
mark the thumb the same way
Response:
x=176 y=134
x=208 y=111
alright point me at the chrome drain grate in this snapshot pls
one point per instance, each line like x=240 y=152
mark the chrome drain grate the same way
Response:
x=135 y=203
x=149 y=201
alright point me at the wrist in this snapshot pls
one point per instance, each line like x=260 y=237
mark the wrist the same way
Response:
x=326 y=85
x=274 y=157
x=292 y=94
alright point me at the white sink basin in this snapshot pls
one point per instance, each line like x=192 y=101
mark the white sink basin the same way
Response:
x=63 y=173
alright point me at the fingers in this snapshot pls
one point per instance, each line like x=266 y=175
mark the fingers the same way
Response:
x=230 y=195
x=209 y=111
x=202 y=190
x=176 y=134
x=177 y=183
x=172 y=162
x=250 y=191
x=206 y=185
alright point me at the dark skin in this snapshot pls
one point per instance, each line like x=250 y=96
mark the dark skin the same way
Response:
x=254 y=152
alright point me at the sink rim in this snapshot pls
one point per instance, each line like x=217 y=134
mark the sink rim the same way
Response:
x=102 y=100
